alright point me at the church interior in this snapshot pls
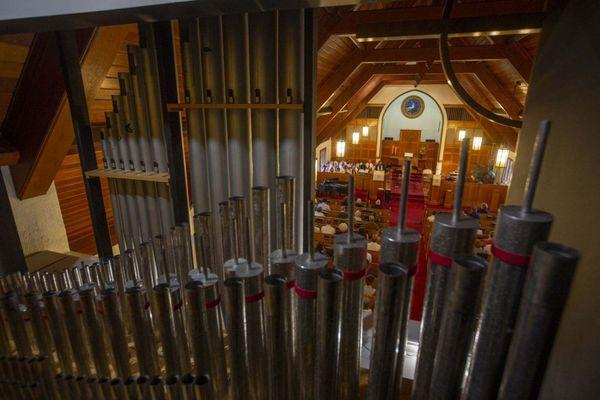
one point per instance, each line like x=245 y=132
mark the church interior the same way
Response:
x=298 y=200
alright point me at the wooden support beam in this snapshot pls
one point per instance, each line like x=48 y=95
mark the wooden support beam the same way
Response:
x=507 y=101
x=459 y=27
x=520 y=60
x=348 y=23
x=8 y=154
x=329 y=84
x=39 y=119
x=11 y=251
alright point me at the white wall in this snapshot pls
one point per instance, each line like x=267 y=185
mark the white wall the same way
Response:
x=430 y=122
x=442 y=94
x=39 y=220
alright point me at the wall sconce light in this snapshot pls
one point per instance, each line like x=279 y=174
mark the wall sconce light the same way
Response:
x=340 y=148
x=501 y=158
x=477 y=142
x=365 y=130
x=461 y=135
x=355 y=137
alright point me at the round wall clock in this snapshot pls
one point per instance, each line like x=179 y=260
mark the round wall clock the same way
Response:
x=412 y=107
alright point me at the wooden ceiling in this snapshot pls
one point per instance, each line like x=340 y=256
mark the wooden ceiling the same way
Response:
x=495 y=70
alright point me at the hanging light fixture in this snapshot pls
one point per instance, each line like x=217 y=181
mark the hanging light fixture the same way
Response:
x=461 y=135
x=340 y=148
x=501 y=157
x=365 y=130
x=477 y=142
x=355 y=137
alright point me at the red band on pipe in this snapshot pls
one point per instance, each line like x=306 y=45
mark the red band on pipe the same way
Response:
x=291 y=284
x=440 y=259
x=45 y=317
x=79 y=311
x=214 y=303
x=178 y=306
x=100 y=311
x=255 y=297
x=27 y=319
x=147 y=305
x=305 y=293
x=355 y=275
x=510 y=258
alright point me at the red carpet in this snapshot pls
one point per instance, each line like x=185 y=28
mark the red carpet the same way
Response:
x=414 y=220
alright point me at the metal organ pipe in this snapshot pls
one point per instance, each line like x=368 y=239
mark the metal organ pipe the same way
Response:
x=457 y=326
x=518 y=229
x=544 y=297
x=400 y=244
x=452 y=236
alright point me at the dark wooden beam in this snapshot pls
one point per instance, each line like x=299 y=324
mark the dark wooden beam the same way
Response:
x=8 y=154
x=71 y=71
x=329 y=84
x=458 y=27
x=348 y=23
x=38 y=123
x=506 y=100
x=520 y=60
x=11 y=251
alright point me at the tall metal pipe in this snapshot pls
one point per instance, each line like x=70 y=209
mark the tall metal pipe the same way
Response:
x=237 y=212
x=235 y=67
x=216 y=132
x=457 y=327
x=305 y=288
x=197 y=318
x=263 y=89
x=192 y=79
x=141 y=112
x=392 y=281
x=113 y=320
x=141 y=326
x=545 y=294
x=240 y=379
x=285 y=211
x=162 y=306
x=261 y=224
x=290 y=90
x=518 y=229
x=329 y=309
x=450 y=238
x=400 y=244
x=74 y=330
x=350 y=256
x=157 y=141
x=58 y=330
x=276 y=320
x=95 y=332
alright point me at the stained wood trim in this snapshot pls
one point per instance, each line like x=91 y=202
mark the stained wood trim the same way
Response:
x=234 y=106
x=129 y=175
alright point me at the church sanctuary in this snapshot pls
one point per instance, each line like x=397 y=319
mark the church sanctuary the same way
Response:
x=299 y=200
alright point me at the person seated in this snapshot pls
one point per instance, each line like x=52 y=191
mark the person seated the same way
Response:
x=342 y=214
x=357 y=216
x=369 y=258
x=373 y=246
x=484 y=208
x=343 y=227
x=359 y=202
x=377 y=204
x=317 y=229
x=328 y=229
x=323 y=206
x=319 y=214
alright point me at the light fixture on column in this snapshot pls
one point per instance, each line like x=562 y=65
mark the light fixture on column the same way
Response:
x=365 y=130
x=477 y=142
x=340 y=148
x=355 y=137
x=501 y=157
x=461 y=135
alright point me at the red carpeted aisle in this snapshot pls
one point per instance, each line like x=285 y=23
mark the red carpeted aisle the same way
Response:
x=414 y=220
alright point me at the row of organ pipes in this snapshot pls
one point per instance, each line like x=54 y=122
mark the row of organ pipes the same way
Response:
x=227 y=307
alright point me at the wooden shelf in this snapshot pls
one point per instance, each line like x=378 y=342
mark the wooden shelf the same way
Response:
x=129 y=175
x=234 y=106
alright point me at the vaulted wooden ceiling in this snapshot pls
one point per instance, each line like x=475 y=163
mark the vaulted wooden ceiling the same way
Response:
x=36 y=132
x=495 y=70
